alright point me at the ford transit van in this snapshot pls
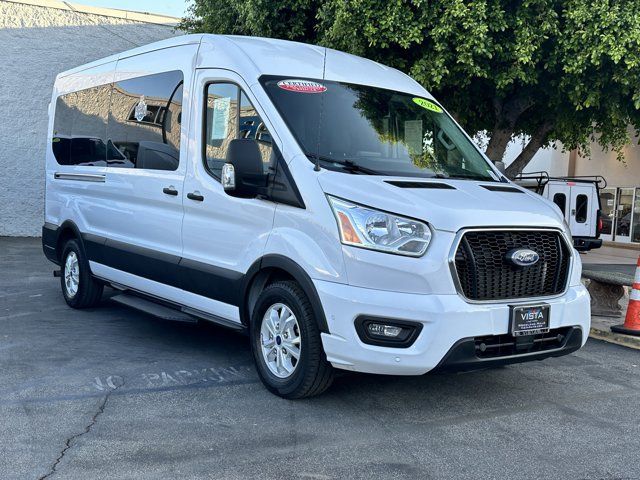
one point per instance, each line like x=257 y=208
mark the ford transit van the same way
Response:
x=324 y=204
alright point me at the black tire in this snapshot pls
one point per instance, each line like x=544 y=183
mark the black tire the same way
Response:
x=312 y=374
x=89 y=291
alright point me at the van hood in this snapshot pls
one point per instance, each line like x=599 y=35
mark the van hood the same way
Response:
x=465 y=204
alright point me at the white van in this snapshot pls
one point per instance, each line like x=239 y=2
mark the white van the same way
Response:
x=323 y=203
x=578 y=198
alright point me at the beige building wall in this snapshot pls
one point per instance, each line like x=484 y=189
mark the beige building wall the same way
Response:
x=617 y=173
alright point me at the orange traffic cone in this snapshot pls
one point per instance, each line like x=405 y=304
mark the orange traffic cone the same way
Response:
x=631 y=324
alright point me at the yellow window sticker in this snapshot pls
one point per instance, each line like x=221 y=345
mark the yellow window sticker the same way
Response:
x=424 y=103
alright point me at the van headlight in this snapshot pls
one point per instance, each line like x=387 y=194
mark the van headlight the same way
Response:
x=368 y=228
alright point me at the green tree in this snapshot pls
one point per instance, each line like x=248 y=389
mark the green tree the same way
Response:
x=551 y=70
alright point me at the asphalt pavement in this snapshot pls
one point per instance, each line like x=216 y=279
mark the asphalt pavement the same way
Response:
x=625 y=269
x=112 y=393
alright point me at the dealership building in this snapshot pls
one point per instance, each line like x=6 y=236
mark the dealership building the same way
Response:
x=39 y=39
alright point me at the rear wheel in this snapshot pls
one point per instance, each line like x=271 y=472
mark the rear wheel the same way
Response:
x=79 y=288
x=286 y=343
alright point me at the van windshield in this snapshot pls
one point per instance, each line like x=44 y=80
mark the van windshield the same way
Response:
x=368 y=130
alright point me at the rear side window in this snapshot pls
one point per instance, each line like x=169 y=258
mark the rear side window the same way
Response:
x=145 y=121
x=582 y=208
x=79 y=127
x=231 y=115
x=560 y=199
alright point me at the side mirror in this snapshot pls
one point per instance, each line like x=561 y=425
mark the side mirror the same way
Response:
x=501 y=167
x=243 y=174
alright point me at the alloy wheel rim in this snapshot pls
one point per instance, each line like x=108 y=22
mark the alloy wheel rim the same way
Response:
x=71 y=274
x=280 y=340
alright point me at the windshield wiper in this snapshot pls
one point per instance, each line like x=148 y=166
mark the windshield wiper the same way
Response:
x=346 y=164
x=471 y=177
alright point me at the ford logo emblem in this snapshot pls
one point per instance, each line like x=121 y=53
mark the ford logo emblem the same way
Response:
x=523 y=257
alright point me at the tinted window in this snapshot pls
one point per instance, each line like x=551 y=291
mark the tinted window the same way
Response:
x=582 y=204
x=79 y=127
x=560 y=199
x=364 y=129
x=225 y=122
x=145 y=120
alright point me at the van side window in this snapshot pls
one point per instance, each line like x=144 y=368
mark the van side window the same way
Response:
x=582 y=203
x=560 y=199
x=79 y=127
x=225 y=122
x=145 y=118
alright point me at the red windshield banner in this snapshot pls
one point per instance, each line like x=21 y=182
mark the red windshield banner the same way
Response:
x=301 y=86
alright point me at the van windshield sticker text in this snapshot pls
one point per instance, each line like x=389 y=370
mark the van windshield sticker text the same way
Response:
x=424 y=103
x=301 y=86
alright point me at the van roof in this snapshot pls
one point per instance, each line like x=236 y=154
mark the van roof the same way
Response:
x=256 y=56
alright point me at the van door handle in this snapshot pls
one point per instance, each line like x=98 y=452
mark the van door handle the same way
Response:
x=170 y=191
x=195 y=196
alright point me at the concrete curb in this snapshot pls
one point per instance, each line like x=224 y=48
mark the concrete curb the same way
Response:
x=607 y=335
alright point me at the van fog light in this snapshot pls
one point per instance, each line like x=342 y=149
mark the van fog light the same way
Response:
x=386 y=332
x=380 y=330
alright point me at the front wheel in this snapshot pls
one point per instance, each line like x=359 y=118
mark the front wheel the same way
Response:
x=286 y=343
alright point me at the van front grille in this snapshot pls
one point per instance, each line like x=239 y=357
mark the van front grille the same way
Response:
x=485 y=273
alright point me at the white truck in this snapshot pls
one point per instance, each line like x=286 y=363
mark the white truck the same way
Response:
x=578 y=198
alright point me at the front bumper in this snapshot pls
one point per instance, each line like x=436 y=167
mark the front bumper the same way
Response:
x=467 y=353
x=584 y=244
x=448 y=322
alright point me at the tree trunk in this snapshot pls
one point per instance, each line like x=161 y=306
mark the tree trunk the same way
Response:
x=537 y=140
x=500 y=138
x=507 y=114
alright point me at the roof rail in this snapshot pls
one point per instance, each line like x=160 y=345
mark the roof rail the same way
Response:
x=599 y=180
x=541 y=178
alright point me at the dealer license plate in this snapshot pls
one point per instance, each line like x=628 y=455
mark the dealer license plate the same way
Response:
x=530 y=320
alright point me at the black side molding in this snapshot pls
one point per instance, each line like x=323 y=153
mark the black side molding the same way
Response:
x=225 y=285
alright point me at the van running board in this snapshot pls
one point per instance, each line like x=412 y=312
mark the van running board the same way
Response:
x=171 y=313
x=153 y=308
